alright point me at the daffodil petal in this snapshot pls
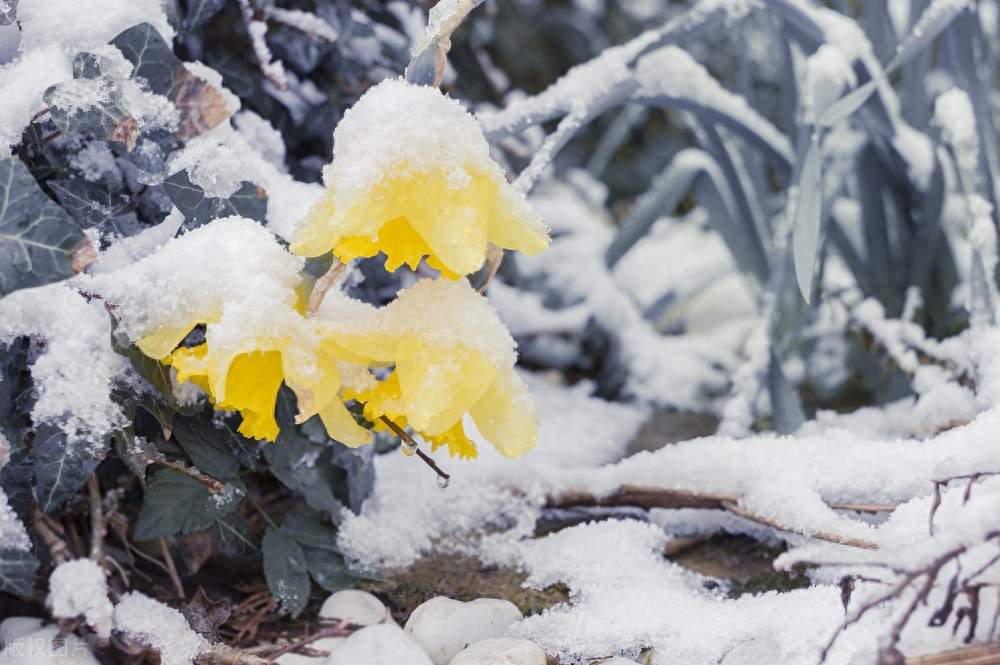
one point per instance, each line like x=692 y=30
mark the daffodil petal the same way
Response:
x=252 y=384
x=315 y=234
x=438 y=385
x=456 y=440
x=159 y=344
x=342 y=426
x=507 y=416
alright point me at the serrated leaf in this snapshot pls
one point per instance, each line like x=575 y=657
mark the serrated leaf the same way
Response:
x=152 y=58
x=329 y=569
x=234 y=538
x=61 y=466
x=17 y=572
x=137 y=452
x=286 y=571
x=8 y=12
x=808 y=213
x=198 y=208
x=89 y=203
x=176 y=503
x=308 y=532
x=39 y=242
x=207 y=446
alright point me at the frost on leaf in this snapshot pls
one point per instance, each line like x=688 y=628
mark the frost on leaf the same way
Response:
x=37 y=237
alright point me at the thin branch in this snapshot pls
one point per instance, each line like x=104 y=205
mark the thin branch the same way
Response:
x=213 y=485
x=259 y=509
x=409 y=443
x=171 y=568
x=96 y=519
x=981 y=655
x=819 y=535
x=58 y=551
x=342 y=629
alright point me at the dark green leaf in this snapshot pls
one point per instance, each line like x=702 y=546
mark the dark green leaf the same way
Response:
x=136 y=451
x=249 y=201
x=234 y=538
x=17 y=572
x=108 y=119
x=38 y=239
x=308 y=532
x=357 y=464
x=15 y=478
x=199 y=11
x=91 y=204
x=285 y=570
x=175 y=502
x=61 y=466
x=207 y=446
x=329 y=569
x=153 y=59
x=8 y=12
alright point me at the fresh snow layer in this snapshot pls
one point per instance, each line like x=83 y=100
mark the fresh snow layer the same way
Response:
x=140 y=618
x=78 y=588
x=12 y=533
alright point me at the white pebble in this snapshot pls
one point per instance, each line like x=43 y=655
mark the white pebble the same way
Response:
x=443 y=627
x=381 y=644
x=501 y=651
x=356 y=606
x=37 y=649
x=15 y=627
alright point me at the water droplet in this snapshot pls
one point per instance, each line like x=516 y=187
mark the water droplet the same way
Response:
x=409 y=447
x=442 y=481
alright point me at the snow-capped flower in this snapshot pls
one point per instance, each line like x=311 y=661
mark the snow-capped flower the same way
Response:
x=452 y=356
x=412 y=177
x=242 y=368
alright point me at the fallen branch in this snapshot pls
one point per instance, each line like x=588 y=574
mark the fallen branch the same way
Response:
x=981 y=655
x=819 y=535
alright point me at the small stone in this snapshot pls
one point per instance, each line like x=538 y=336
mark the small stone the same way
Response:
x=37 y=648
x=356 y=606
x=381 y=644
x=15 y=627
x=501 y=651
x=443 y=626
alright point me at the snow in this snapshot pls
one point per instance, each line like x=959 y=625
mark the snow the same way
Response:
x=78 y=588
x=142 y=619
x=12 y=533
x=307 y=22
x=52 y=32
x=75 y=373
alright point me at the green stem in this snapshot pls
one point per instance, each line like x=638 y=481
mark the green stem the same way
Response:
x=260 y=510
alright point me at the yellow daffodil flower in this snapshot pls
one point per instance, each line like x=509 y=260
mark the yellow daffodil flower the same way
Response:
x=452 y=356
x=412 y=177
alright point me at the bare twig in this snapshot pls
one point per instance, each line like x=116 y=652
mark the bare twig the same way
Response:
x=171 y=568
x=819 y=535
x=342 y=629
x=410 y=443
x=39 y=114
x=273 y=72
x=96 y=519
x=324 y=284
x=980 y=655
x=213 y=485
x=46 y=528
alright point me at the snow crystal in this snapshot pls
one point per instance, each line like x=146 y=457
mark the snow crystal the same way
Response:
x=78 y=588
x=95 y=161
x=12 y=533
x=259 y=133
x=145 y=620
x=211 y=164
x=125 y=251
x=75 y=374
x=828 y=72
x=953 y=113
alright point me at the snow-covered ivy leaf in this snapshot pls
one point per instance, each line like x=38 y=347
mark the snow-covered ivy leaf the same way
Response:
x=61 y=465
x=249 y=201
x=285 y=570
x=17 y=572
x=39 y=242
x=207 y=446
x=234 y=538
x=152 y=58
x=329 y=569
x=8 y=12
x=308 y=532
x=91 y=204
x=175 y=502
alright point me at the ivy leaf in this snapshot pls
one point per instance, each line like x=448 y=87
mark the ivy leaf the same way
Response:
x=175 y=503
x=198 y=208
x=200 y=11
x=308 y=532
x=206 y=446
x=137 y=452
x=39 y=242
x=89 y=203
x=286 y=571
x=357 y=466
x=8 y=12
x=152 y=58
x=61 y=466
x=234 y=538
x=17 y=572
x=329 y=569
